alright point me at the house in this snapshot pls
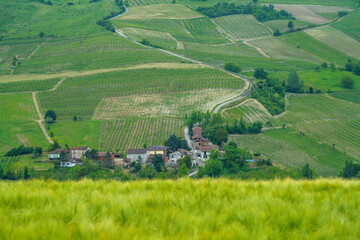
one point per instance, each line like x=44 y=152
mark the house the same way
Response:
x=70 y=163
x=162 y=150
x=79 y=152
x=204 y=152
x=175 y=156
x=133 y=154
x=55 y=155
x=198 y=138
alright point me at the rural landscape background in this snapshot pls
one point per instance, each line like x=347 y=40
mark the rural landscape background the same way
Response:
x=274 y=85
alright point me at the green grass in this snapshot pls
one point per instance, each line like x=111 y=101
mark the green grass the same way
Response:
x=336 y=39
x=120 y=135
x=348 y=96
x=321 y=209
x=17 y=107
x=75 y=134
x=316 y=48
x=282 y=25
x=350 y=25
x=242 y=27
x=80 y=96
x=327 y=79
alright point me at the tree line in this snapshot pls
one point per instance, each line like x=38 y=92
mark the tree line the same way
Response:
x=262 y=13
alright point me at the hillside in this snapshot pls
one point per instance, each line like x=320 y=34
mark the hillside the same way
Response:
x=185 y=209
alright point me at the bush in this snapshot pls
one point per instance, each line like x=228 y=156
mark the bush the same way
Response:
x=347 y=82
x=342 y=13
x=49 y=120
x=277 y=33
x=21 y=150
x=50 y=113
x=232 y=67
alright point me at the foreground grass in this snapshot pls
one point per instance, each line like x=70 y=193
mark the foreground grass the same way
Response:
x=185 y=209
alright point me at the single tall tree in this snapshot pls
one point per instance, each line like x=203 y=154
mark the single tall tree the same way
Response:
x=294 y=83
x=291 y=25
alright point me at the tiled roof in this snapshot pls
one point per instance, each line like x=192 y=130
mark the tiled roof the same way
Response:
x=58 y=151
x=136 y=151
x=103 y=154
x=79 y=148
x=158 y=148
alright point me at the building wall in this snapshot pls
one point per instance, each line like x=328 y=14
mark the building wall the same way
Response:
x=161 y=152
x=52 y=156
x=134 y=157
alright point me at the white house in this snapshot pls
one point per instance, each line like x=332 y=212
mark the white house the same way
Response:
x=175 y=156
x=204 y=152
x=133 y=154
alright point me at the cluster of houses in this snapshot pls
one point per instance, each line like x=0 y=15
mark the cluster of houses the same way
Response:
x=201 y=148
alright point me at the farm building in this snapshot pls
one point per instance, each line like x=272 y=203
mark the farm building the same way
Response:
x=133 y=154
x=162 y=150
x=198 y=138
x=203 y=152
x=55 y=155
x=79 y=152
x=102 y=156
x=175 y=156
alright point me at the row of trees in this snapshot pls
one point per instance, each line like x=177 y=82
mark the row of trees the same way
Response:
x=353 y=67
x=22 y=150
x=261 y=12
x=242 y=127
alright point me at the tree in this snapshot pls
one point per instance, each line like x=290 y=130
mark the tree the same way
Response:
x=38 y=150
x=54 y=146
x=75 y=118
x=317 y=69
x=306 y=171
x=108 y=162
x=1 y=172
x=186 y=160
x=26 y=173
x=49 y=120
x=173 y=1
x=277 y=33
x=260 y=73
x=183 y=170
x=255 y=1
x=41 y=34
x=291 y=25
x=213 y=168
x=158 y=162
x=350 y=170
x=347 y=82
x=232 y=67
x=332 y=67
x=50 y=113
x=324 y=65
x=173 y=143
x=137 y=164
x=148 y=172
x=294 y=83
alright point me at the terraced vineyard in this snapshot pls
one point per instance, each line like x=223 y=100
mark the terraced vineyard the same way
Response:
x=348 y=96
x=350 y=25
x=242 y=27
x=120 y=135
x=250 y=110
x=79 y=96
x=136 y=3
x=166 y=104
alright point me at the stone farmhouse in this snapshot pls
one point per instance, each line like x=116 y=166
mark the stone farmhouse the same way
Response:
x=202 y=145
x=78 y=152
x=147 y=154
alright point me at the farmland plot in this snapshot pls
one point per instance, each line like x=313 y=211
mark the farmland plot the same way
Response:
x=336 y=39
x=157 y=38
x=79 y=96
x=329 y=120
x=250 y=110
x=350 y=25
x=168 y=104
x=282 y=50
x=242 y=27
x=136 y=3
x=120 y=135
x=348 y=96
x=282 y=25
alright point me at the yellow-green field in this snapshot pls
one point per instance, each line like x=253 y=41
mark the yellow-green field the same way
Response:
x=184 y=209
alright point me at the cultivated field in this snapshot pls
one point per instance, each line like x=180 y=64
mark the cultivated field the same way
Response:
x=326 y=119
x=336 y=39
x=120 y=135
x=250 y=110
x=280 y=209
x=350 y=25
x=161 y=11
x=242 y=27
x=168 y=104
x=136 y=3
x=282 y=25
x=348 y=96
x=79 y=96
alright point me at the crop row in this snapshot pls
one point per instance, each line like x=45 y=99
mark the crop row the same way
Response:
x=156 y=38
x=6 y=162
x=350 y=25
x=25 y=86
x=251 y=110
x=123 y=134
x=242 y=27
x=135 y=3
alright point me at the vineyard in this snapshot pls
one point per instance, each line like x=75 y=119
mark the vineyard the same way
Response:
x=26 y=86
x=350 y=25
x=307 y=43
x=282 y=25
x=161 y=11
x=167 y=104
x=348 y=96
x=17 y=107
x=336 y=39
x=330 y=121
x=120 y=135
x=79 y=96
x=250 y=110
x=94 y=52
x=242 y=27
x=278 y=49
x=291 y=149
x=136 y=3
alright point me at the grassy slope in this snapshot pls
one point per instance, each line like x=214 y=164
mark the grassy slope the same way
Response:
x=322 y=209
x=350 y=25
x=17 y=125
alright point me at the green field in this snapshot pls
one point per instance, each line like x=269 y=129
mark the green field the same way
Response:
x=120 y=135
x=350 y=25
x=282 y=25
x=348 y=96
x=80 y=96
x=250 y=110
x=336 y=39
x=322 y=209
